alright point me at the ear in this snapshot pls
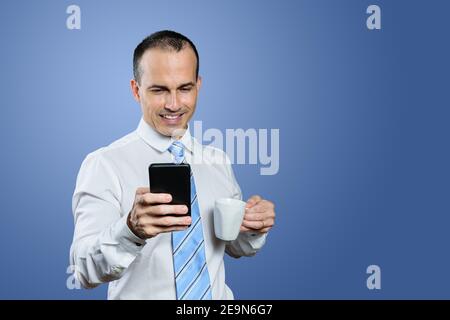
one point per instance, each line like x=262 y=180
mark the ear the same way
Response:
x=199 y=83
x=135 y=90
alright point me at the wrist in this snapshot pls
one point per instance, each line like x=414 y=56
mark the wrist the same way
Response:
x=130 y=226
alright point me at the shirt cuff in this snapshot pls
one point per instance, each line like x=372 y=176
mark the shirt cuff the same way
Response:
x=126 y=238
x=256 y=240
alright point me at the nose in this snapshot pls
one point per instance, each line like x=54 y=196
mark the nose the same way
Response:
x=172 y=102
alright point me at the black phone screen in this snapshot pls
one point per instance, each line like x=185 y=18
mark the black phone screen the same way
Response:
x=174 y=179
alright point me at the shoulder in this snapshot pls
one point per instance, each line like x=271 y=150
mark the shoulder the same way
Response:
x=115 y=150
x=122 y=145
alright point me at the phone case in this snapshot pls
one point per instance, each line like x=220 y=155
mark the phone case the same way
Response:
x=174 y=179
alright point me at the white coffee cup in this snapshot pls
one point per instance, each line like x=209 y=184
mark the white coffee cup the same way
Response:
x=228 y=216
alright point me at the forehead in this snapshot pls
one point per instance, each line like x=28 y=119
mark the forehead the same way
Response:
x=161 y=65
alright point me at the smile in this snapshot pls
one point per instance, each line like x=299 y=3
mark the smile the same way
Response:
x=172 y=116
x=173 y=119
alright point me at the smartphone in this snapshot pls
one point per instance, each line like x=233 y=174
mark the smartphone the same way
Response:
x=174 y=179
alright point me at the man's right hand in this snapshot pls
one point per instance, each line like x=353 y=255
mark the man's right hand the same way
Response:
x=151 y=215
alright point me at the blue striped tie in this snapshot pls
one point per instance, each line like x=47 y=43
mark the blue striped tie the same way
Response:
x=188 y=248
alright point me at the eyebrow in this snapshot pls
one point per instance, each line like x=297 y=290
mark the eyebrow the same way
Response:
x=157 y=86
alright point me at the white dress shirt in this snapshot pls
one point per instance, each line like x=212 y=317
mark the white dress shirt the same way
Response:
x=105 y=250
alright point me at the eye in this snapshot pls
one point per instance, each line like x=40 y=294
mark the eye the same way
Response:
x=156 y=90
x=186 y=89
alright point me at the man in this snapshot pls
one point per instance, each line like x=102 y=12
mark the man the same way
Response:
x=130 y=237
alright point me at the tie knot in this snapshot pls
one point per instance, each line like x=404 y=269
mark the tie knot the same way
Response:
x=177 y=149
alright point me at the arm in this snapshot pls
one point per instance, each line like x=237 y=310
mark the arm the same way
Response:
x=103 y=246
x=107 y=241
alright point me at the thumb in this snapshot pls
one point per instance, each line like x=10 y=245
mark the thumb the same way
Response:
x=142 y=190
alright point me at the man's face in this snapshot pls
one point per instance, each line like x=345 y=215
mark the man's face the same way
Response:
x=168 y=88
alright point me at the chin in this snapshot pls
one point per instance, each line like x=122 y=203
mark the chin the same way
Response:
x=177 y=131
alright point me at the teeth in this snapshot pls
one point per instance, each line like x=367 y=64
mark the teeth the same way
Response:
x=171 y=117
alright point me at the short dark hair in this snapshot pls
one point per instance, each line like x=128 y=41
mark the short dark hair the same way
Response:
x=166 y=40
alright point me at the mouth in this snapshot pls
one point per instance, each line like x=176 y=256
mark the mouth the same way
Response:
x=172 y=118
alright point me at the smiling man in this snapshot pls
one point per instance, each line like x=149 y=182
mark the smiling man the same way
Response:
x=124 y=234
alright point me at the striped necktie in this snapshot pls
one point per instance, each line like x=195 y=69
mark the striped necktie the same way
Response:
x=188 y=248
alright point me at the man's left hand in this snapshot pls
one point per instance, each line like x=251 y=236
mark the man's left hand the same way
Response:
x=259 y=215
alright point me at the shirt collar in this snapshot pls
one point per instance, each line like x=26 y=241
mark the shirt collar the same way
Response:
x=161 y=142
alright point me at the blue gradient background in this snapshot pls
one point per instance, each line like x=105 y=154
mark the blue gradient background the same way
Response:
x=363 y=118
